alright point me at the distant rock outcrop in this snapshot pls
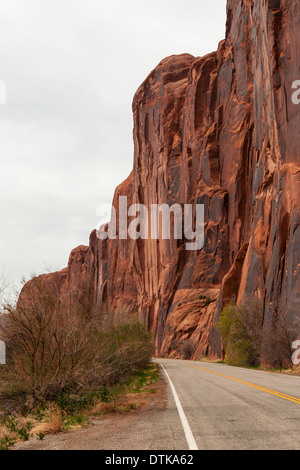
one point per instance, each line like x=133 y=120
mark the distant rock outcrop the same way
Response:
x=222 y=131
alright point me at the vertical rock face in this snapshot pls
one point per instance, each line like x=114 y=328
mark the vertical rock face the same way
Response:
x=222 y=131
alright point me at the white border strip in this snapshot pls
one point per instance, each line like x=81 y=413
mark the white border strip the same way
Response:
x=186 y=427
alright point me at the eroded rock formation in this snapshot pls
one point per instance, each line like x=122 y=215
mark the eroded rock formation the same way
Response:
x=222 y=131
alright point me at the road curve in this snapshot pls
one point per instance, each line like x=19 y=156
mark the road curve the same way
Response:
x=234 y=408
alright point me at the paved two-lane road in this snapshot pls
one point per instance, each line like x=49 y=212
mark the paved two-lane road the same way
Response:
x=234 y=408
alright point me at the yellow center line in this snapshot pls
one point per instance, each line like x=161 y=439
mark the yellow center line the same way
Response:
x=250 y=384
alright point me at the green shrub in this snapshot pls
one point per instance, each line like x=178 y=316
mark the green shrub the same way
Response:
x=208 y=301
x=6 y=442
x=23 y=433
x=11 y=424
x=240 y=328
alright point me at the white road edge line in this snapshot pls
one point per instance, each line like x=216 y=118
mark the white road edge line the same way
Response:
x=186 y=427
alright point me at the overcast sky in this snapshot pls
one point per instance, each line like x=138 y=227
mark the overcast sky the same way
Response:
x=71 y=68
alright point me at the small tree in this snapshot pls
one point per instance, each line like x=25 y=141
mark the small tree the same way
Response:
x=241 y=331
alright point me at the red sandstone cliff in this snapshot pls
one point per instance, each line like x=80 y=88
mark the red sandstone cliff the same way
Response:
x=220 y=130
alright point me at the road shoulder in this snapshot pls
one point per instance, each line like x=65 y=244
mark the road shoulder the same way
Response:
x=152 y=425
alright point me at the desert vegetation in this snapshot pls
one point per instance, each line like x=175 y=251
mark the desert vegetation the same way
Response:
x=63 y=355
x=250 y=341
x=70 y=412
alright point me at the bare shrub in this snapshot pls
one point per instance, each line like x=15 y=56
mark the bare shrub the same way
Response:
x=278 y=336
x=6 y=282
x=187 y=349
x=58 y=345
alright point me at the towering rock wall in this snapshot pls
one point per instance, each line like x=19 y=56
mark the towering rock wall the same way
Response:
x=222 y=131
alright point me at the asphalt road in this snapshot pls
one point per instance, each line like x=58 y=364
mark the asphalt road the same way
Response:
x=233 y=408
